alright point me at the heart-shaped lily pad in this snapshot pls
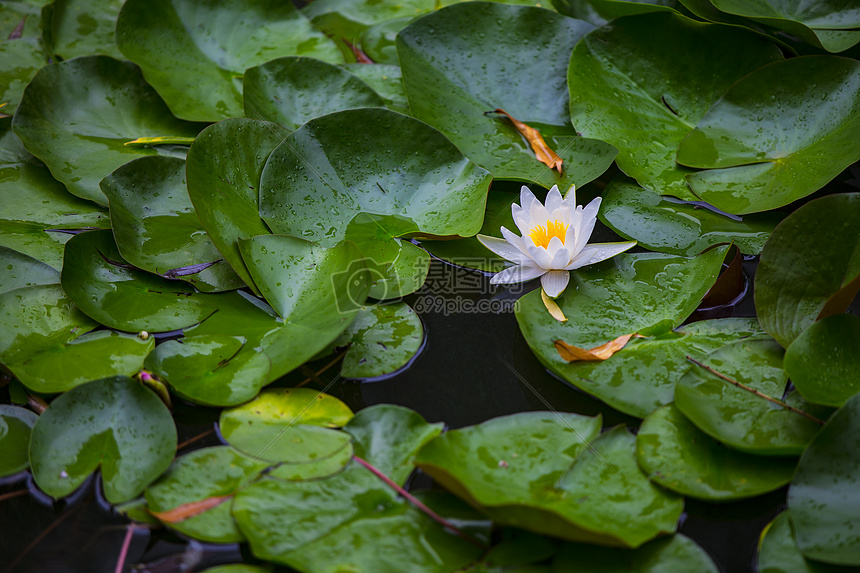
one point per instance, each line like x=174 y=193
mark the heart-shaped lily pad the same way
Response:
x=675 y=553
x=599 y=12
x=77 y=116
x=467 y=59
x=668 y=225
x=195 y=53
x=156 y=228
x=81 y=28
x=778 y=551
x=22 y=271
x=740 y=418
x=19 y=61
x=224 y=183
x=810 y=266
x=824 y=497
x=643 y=82
x=290 y=91
x=16 y=425
x=540 y=471
x=116 y=424
x=386 y=80
x=779 y=134
x=290 y=425
x=680 y=457
x=104 y=286
x=215 y=472
x=823 y=363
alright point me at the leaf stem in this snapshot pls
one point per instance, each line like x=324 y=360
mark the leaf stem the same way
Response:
x=756 y=392
x=417 y=503
x=123 y=552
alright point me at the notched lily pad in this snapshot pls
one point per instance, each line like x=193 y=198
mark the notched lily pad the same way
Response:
x=16 y=425
x=669 y=554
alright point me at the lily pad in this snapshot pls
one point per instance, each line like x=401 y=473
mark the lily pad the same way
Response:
x=293 y=90
x=824 y=498
x=386 y=80
x=643 y=82
x=101 y=283
x=290 y=425
x=321 y=468
x=77 y=116
x=16 y=425
x=14 y=12
x=21 y=271
x=382 y=339
x=82 y=28
x=739 y=418
x=811 y=262
x=778 y=551
x=599 y=12
x=467 y=59
x=668 y=225
x=678 y=456
x=675 y=553
x=218 y=471
x=778 y=135
x=551 y=473
x=156 y=228
x=224 y=182
x=19 y=61
x=116 y=424
x=822 y=362
x=194 y=54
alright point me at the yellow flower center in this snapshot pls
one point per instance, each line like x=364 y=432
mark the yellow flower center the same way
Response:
x=543 y=235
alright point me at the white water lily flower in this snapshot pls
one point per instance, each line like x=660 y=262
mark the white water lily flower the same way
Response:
x=553 y=241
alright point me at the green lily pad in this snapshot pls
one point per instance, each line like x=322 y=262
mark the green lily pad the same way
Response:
x=670 y=226
x=19 y=61
x=93 y=356
x=36 y=207
x=386 y=80
x=116 y=424
x=379 y=42
x=382 y=339
x=21 y=271
x=16 y=425
x=194 y=54
x=825 y=23
x=680 y=457
x=292 y=90
x=156 y=228
x=763 y=148
x=739 y=418
x=643 y=82
x=77 y=116
x=778 y=551
x=290 y=425
x=82 y=28
x=675 y=553
x=824 y=497
x=811 y=262
x=321 y=468
x=353 y=521
x=822 y=362
x=101 y=283
x=202 y=474
x=599 y=12
x=224 y=182
x=475 y=57
x=14 y=11
x=540 y=471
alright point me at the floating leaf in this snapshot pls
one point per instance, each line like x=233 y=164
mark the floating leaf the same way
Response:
x=738 y=417
x=467 y=59
x=19 y=61
x=679 y=457
x=777 y=135
x=387 y=81
x=542 y=151
x=675 y=553
x=778 y=551
x=76 y=116
x=194 y=54
x=115 y=424
x=16 y=425
x=103 y=285
x=82 y=28
x=156 y=228
x=602 y=352
x=196 y=492
x=643 y=82
x=682 y=228
x=16 y=11
x=290 y=91
x=290 y=425
x=824 y=497
x=599 y=12
x=21 y=271
x=811 y=258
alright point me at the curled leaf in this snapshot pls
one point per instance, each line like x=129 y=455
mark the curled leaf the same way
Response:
x=187 y=510
x=162 y=140
x=552 y=307
x=542 y=151
x=602 y=352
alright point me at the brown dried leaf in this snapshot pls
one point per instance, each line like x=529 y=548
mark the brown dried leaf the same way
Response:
x=729 y=286
x=841 y=299
x=542 y=151
x=573 y=353
x=187 y=510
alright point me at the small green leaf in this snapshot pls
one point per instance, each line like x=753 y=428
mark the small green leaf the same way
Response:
x=778 y=551
x=16 y=425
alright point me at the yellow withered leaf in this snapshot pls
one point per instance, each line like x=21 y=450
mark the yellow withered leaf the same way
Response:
x=572 y=353
x=543 y=152
x=552 y=307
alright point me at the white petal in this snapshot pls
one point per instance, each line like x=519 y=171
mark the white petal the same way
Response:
x=553 y=199
x=570 y=196
x=517 y=274
x=570 y=241
x=540 y=257
x=527 y=198
x=504 y=249
x=515 y=241
x=589 y=218
x=563 y=214
x=538 y=214
x=597 y=252
x=523 y=224
x=559 y=255
x=554 y=282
